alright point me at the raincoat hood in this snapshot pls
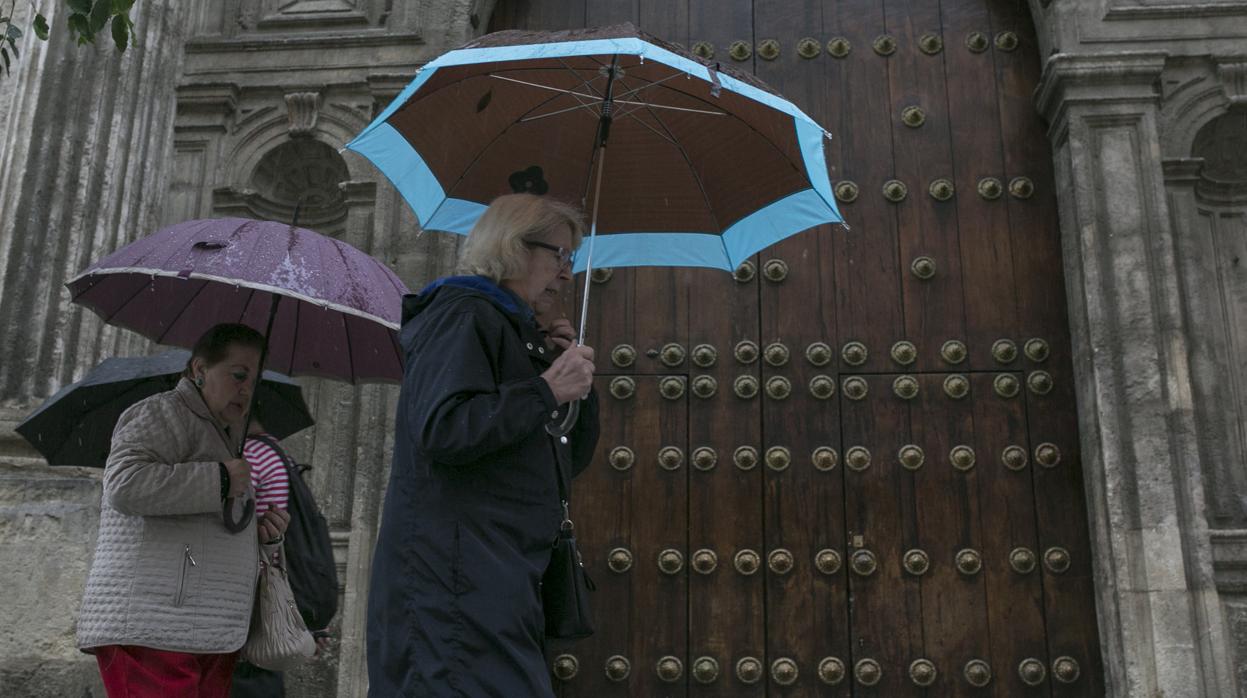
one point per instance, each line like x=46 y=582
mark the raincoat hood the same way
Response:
x=506 y=300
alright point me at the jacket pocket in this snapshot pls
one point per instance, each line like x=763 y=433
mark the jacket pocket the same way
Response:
x=188 y=561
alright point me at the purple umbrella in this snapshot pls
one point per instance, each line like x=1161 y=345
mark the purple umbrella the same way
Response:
x=329 y=309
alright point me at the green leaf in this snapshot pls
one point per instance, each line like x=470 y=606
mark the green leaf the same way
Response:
x=122 y=6
x=41 y=27
x=100 y=12
x=81 y=7
x=5 y=55
x=78 y=25
x=121 y=33
x=13 y=32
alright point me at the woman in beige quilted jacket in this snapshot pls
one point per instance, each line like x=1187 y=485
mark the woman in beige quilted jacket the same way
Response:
x=168 y=600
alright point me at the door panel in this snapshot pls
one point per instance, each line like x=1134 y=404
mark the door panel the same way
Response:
x=872 y=481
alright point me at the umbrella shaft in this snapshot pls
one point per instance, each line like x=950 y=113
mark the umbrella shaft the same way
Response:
x=593 y=233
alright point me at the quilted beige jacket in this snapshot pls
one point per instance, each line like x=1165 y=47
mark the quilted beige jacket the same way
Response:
x=166 y=572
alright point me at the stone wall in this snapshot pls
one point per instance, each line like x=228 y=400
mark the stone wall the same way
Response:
x=48 y=521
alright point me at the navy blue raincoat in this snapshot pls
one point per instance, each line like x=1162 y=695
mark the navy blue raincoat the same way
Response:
x=472 y=509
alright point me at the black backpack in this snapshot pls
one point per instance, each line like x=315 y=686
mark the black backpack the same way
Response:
x=309 y=552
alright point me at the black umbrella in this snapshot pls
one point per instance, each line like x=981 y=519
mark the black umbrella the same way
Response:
x=75 y=426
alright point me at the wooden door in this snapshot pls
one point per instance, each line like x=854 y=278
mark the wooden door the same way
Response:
x=852 y=467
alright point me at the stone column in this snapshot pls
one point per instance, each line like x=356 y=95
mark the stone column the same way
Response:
x=1160 y=622
x=83 y=169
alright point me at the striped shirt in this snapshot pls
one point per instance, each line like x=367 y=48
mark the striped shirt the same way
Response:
x=268 y=474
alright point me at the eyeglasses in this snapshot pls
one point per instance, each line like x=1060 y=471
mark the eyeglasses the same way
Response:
x=565 y=255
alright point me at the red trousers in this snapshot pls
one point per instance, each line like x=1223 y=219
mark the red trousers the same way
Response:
x=141 y=672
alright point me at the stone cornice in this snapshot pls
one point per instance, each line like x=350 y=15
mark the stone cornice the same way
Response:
x=206 y=106
x=300 y=41
x=1097 y=79
x=1182 y=171
x=1176 y=11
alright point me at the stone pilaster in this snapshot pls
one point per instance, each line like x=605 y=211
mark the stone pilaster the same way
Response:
x=1160 y=620
x=82 y=171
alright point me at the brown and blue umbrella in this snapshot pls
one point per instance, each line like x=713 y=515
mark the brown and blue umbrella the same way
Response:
x=708 y=165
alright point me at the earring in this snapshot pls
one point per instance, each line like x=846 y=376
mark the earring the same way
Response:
x=199 y=382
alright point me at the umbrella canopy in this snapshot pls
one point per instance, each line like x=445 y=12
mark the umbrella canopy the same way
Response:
x=708 y=165
x=75 y=426
x=336 y=309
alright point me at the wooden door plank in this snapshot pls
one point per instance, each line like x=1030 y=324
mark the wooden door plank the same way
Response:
x=807 y=612
x=637 y=511
x=1007 y=515
x=666 y=19
x=601 y=13
x=555 y=14
x=726 y=611
x=869 y=307
x=886 y=605
x=987 y=258
x=1069 y=603
x=954 y=614
x=927 y=227
x=1033 y=226
x=725 y=608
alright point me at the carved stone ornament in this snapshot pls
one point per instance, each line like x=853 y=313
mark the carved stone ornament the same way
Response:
x=303 y=110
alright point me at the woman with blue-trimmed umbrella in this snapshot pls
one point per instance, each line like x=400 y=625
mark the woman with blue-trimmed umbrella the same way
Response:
x=472 y=508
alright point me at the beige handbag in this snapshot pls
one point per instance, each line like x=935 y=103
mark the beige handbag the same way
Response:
x=278 y=639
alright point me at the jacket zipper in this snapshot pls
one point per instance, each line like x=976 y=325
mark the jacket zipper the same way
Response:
x=186 y=557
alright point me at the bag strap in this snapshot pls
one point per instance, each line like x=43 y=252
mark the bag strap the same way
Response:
x=567 y=524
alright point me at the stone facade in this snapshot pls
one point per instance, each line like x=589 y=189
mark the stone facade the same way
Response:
x=243 y=112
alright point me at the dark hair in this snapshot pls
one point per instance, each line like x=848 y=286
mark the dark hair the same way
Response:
x=213 y=345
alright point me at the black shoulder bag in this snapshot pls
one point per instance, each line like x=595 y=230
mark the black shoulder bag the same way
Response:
x=565 y=586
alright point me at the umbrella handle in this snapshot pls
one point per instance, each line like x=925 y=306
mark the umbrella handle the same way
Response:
x=569 y=421
x=237 y=513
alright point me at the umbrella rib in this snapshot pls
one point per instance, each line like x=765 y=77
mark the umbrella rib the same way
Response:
x=543 y=87
x=294 y=341
x=742 y=121
x=350 y=358
x=701 y=187
x=588 y=84
x=665 y=137
x=651 y=105
x=526 y=119
x=115 y=313
x=167 y=330
x=654 y=83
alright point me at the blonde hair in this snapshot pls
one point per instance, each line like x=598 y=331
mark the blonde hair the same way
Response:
x=495 y=247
